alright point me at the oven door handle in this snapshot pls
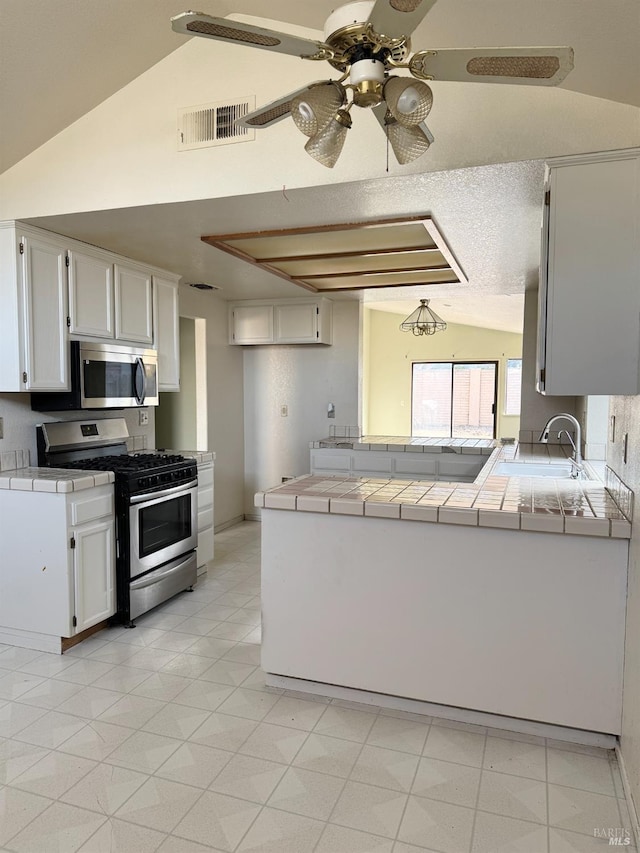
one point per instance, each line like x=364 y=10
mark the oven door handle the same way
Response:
x=140 y=373
x=137 y=499
x=158 y=575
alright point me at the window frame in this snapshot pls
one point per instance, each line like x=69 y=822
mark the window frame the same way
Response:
x=506 y=413
x=453 y=364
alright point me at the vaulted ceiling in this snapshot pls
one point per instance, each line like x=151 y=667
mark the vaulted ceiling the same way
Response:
x=60 y=58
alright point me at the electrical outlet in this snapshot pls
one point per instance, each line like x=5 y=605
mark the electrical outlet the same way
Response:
x=284 y=411
x=1 y=429
x=331 y=410
x=143 y=417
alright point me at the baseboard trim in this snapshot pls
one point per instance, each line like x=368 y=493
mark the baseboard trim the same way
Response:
x=253 y=516
x=445 y=712
x=230 y=523
x=31 y=640
x=633 y=812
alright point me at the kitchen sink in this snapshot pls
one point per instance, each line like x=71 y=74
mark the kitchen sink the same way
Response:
x=559 y=470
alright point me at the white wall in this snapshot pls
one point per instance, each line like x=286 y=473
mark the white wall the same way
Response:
x=225 y=403
x=305 y=378
x=124 y=152
x=627 y=414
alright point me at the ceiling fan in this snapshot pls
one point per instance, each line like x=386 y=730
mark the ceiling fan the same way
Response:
x=366 y=41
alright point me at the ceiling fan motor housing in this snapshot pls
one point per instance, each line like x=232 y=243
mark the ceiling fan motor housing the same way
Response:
x=356 y=12
x=367 y=77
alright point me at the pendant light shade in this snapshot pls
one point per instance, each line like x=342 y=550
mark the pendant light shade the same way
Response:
x=423 y=321
x=313 y=110
x=409 y=101
x=408 y=143
x=326 y=146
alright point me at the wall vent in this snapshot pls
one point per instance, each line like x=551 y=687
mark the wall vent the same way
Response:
x=208 y=125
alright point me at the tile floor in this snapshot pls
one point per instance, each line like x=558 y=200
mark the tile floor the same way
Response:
x=165 y=738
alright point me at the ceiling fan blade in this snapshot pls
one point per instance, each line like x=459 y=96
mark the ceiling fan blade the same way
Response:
x=535 y=66
x=273 y=112
x=223 y=29
x=398 y=18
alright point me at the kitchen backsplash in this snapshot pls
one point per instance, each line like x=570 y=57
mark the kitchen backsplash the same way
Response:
x=18 y=447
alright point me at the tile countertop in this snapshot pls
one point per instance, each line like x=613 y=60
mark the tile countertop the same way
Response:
x=400 y=443
x=548 y=505
x=53 y=479
x=200 y=456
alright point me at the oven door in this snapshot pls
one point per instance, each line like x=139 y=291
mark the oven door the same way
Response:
x=162 y=526
x=123 y=377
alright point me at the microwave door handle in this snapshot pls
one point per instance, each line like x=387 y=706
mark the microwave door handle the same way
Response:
x=140 y=374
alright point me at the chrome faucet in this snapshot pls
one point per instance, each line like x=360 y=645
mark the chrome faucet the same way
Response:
x=576 y=459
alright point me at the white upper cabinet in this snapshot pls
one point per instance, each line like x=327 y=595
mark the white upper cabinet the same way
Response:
x=33 y=317
x=134 y=304
x=45 y=315
x=251 y=324
x=91 y=295
x=167 y=331
x=282 y=321
x=589 y=308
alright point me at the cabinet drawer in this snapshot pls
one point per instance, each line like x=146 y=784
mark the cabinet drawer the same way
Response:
x=330 y=462
x=87 y=509
x=364 y=460
x=205 y=518
x=416 y=463
x=205 y=475
x=205 y=497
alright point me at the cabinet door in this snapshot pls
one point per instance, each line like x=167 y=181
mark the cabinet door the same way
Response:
x=44 y=292
x=90 y=295
x=252 y=324
x=94 y=572
x=167 y=331
x=296 y=324
x=589 y=297
x=134 y=308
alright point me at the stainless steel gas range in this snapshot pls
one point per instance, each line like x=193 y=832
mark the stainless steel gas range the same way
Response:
x=156 y=508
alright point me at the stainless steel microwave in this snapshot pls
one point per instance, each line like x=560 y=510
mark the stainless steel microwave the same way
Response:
x=104 y=376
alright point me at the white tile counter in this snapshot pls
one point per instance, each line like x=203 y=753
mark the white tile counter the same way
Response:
x=33 y=479
x=582 y=507
x=200 y=456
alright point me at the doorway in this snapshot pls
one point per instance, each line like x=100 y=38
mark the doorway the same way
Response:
x=454 y=399
x=181 y=416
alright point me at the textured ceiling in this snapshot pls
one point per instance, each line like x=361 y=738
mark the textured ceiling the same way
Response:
x=60 y=58
x=490 y=216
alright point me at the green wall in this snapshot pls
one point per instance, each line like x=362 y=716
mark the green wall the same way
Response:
x=388 y=356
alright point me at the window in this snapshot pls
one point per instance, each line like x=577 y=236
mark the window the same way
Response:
x=513 y=386
x=454 y=399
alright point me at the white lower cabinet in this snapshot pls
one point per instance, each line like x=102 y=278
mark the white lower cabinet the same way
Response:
x=205 y=549
x=93 y=573
x=453 y=467
x=57 y=565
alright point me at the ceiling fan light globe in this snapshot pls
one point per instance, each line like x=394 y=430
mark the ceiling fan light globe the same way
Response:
x=326 y=146
x=409 y=101
x=314 y=108
x=407 y=143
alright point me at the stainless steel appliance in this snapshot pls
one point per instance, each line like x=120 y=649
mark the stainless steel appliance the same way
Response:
x=105 y=376
x=156 y=508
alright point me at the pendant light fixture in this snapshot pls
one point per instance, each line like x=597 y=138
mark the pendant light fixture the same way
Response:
x=423 y=321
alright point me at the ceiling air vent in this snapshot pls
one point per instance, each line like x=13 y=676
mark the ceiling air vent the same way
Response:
x=214 y=124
